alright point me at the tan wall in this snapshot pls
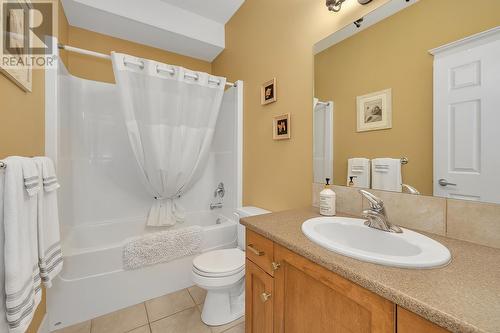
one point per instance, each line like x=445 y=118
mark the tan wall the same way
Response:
x=268 y=39
x=22 y=114
x=394 y=54
x=22 y=128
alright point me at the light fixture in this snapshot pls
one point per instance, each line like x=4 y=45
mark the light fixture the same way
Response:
x=336 y=5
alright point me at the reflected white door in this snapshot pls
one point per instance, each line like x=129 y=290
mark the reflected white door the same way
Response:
x=467 y=120
x=323 y=141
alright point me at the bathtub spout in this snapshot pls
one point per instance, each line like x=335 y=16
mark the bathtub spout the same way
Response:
x=215 y=205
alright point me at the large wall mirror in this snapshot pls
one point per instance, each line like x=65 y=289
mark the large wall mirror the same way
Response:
x=407 y=99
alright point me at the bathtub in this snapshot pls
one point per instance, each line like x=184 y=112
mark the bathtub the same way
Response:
x=93 y=282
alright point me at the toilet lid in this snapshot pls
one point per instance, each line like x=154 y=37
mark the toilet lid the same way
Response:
x=220 y=261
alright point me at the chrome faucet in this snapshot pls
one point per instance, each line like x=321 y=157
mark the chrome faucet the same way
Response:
x=376 y=215
x=409 y=189
x=215 y=205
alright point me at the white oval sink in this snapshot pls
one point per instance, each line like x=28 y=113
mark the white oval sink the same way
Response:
x=352 y=238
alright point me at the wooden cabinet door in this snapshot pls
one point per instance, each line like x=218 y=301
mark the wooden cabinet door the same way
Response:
x=408 y=322
x=309 y=298
x=259 y=299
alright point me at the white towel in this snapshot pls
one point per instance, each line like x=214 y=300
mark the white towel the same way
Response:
x=359 y=169
x=4 y=327
x=22 y=275
x=386 y=174
x=161 y=247
x=50 y=258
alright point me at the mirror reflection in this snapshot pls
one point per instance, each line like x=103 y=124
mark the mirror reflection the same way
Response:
x=414 y=96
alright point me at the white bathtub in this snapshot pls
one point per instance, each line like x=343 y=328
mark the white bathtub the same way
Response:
x=93 y=281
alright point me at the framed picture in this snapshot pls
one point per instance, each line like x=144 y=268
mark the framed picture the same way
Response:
x=281 y=127
x=268 y=92
x=17 y=38
x=374 y=111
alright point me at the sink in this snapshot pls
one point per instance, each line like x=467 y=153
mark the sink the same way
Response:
x=352 y=238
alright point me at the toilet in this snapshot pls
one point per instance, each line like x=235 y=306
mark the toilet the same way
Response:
x=222 y=274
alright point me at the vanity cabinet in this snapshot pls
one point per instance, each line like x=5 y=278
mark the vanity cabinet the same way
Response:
x=291 y=294
x=408 y=322
x=259 y=300
x=310 y=298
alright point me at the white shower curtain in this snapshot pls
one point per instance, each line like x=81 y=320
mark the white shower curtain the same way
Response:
x=170 y=119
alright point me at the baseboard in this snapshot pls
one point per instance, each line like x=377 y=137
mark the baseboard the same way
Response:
x=44 y=325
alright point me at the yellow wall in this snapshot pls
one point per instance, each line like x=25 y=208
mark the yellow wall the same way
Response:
x=394 y=54
x=22 y=114
x=22 y=128
x=267 y=39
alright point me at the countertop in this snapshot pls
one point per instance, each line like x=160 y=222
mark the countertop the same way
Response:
x=462 y=297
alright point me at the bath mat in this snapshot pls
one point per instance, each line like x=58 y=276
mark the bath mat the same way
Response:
x=161 y=247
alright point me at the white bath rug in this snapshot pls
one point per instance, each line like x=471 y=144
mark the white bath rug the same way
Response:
x=162 y=247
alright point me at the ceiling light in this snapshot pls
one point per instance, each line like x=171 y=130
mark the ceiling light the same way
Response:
x=336 y=5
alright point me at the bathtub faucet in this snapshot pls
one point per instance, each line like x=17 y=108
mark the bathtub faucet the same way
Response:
x=215 y=205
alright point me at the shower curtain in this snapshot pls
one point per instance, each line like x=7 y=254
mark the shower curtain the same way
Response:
x=170 y=114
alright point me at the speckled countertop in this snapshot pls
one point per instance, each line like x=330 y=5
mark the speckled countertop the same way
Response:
x=462 y=297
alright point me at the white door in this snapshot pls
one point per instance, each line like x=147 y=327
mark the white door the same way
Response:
x=467 y=120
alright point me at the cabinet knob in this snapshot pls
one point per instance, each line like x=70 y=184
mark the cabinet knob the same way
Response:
x=252 y=248
x=265 y=297
x=276 y=265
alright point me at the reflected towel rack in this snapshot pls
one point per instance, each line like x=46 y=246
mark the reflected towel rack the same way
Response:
x=404 y=160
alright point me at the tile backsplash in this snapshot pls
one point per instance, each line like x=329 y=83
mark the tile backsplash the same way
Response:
x=465 y=220
x=474 y=222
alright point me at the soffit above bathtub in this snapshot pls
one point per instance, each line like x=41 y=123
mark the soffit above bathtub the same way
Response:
x=188 y=27
x=218 y=10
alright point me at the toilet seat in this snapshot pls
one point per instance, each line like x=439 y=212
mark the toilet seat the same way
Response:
x=217 y=275
x=219 y=263
x=219 y=268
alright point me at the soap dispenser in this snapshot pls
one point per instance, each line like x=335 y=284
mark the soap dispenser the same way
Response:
x=351 y=181
x=327 y=200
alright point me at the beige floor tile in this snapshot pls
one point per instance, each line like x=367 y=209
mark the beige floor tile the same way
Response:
x=168 y=305
x=224 y=328
x=187 y=321
x=142 y=329
x=78 y=328
x=121 y=321
x=198 y=294
x=237 y=329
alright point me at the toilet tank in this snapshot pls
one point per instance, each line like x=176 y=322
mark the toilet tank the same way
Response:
x=245 y=212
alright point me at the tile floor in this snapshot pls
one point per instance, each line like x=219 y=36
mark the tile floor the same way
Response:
x=178 y=312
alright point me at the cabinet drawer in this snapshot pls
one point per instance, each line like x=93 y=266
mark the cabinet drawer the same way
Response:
x=260 y=251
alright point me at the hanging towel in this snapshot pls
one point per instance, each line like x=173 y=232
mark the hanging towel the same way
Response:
x=359 y=169
x=161 y=247
x=50 y=258
x=4 y=327
x=22 y=275
x=386 y=174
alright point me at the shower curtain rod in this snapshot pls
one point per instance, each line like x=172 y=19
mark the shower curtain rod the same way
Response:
x=106 y=56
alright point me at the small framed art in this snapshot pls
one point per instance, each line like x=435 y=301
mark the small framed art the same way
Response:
x=268 y=92
x=374 y=111
x=281 y=127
